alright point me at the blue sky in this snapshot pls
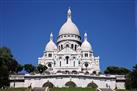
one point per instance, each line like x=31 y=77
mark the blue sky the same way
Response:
x=25 y=26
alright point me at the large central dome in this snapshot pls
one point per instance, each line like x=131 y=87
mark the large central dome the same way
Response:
x=69 y=27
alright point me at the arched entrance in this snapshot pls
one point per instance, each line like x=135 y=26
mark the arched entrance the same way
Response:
x=92 y=85
x=48 y=84
x=70 y=84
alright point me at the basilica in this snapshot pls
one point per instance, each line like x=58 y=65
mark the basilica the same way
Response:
x=69 y=54
x=69 y=60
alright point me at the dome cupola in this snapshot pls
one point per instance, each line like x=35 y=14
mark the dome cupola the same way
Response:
x=69 y=27
x=86 y=46
x=51 y=45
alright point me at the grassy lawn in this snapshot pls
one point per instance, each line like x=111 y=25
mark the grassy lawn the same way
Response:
x=72 y=89
x=52 y=89
x=13 y=89
x=58 y=89
x=125 y=90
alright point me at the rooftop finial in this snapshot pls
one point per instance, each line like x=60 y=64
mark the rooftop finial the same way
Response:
x=51 y=36
x=69 y=13
x=85 y=36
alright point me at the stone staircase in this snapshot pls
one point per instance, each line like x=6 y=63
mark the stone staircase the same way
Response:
x=106 y=89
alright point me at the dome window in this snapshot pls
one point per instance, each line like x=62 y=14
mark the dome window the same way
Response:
x=75 y=47
x=86 y=54
x=60 y=57
x=61 y=47
x=67 y=45
x=72 y=46
x=74 y=64
x=60 y=63
x=49 y=65
x=50 y=55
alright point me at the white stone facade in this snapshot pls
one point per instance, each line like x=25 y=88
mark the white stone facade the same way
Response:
x=59 y=80
x=70 y=54
x=71 y=60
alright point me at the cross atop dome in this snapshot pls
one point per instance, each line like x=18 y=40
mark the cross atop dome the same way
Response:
x=51 y=36
x=69 y=13
x=85 y=36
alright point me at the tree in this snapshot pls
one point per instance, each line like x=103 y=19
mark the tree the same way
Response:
x=4 y=76
x=41 y=68
x=131 y=79
x=19 y=68
x=8 y=65
x=13 y=66
x=29 y=68
x=8 y=60
x=116 y=70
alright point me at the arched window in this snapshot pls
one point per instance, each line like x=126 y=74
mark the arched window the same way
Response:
x=60 y=63
x=54 y=63
x=67 y=45
x=86 y=64
x=75 y=47
x=60 y=57
x=86 y=54
x=49 y=65
x=78 y=62
x=74 y=64
x=61 y=47
x=72 y=46
x=67 y=58
x=49 y=55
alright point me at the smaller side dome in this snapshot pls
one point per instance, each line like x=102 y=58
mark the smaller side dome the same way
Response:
x=86 y=46
x=50 y=45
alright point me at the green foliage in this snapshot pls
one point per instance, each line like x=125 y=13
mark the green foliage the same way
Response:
x=7 y=59
x=52 y=89
x=4 y=76
x=29 y=68
x=8 y=65
x=131 y=79
x=116 y=70
x=19 y=68
x=70 y=84
x=73 y=89
x=14 y=89
x=124 y=90
x=41 y=68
